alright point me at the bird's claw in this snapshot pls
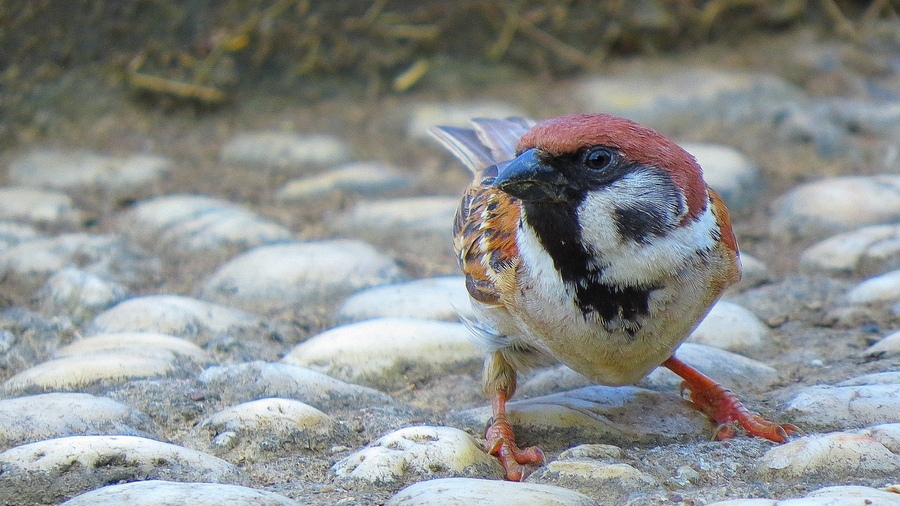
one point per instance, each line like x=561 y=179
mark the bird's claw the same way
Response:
x=516 y=461
x=728 y=411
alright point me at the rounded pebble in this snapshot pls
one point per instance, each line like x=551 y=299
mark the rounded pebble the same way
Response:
x=424 y=115
x=889 y=345
x=15 y=233
x=474 y=492
x=843 y=406
x=171 y=493
x=194 y=222
x=149 y=344
x=74 y=291
x=113 y=357
x=272 y=426
x=414 y=453
x=868 y=250
x=753 y=272
x=194 y=319
x=286 y=151
x=237 y=383
x=837 y=204
x=733 y=371
x=415 y=222
x=105 y=255
x=679 y=96
x=829 y=457
x=731 y=327
x=74 y=169
x=271 y=278
x=599 y=414
x=553 y=379
x=443 y=298
x=52 y=415
x=373 y=350
x=53 y=470
x=76 y=372
x=846 y=495
x=612 y=481
x=883 y=288
x=43 y=257
x=38 y=207
x=729 y=172
x=361 y=178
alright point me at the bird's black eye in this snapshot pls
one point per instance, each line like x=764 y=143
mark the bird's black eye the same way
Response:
x=598 y=158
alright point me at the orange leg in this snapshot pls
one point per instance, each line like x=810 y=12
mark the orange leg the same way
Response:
x=724 y=407
x=501 y=443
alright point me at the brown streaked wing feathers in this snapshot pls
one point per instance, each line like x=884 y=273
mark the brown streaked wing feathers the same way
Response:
x=485 y=242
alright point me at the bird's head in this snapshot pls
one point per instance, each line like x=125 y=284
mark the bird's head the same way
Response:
x=619 y=178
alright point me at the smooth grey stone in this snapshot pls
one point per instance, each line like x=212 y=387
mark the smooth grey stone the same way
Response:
x=243 y=382
x=836 y=456
x=52 y=415
x=618 y=415
x=733 y=371
x=193 y=319
x=290 y=152
x=731 y=327
x=376 y=350
x=837 y=204
x=38 y=207
x=80 y=293
x=270 y=427
x=54 y=470
x=475 y=492
x=729 y=172
x=442 y=298
x=170 y=493
x=843 y=495
x=424 y=115
x=869 y=250
x=678 y=96
x=108 y=358
x=76 y=169
x=415 y=453
x=196 y=222
x=361 y=178
x=283 y=276
x=12 y=233
x=848 y=405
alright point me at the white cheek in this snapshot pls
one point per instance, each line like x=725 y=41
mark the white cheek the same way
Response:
x=662 y=255
x=629 y=261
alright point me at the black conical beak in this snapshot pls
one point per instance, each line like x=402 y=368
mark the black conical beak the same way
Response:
x=528 y=179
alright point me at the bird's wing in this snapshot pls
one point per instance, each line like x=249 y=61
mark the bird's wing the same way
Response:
x=485 y=240
x=487 y=218
x=492 y=141
x=502 y=135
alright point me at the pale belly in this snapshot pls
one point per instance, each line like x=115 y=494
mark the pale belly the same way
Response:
x=555 y=325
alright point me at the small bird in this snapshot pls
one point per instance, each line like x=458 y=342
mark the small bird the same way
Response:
x=593 y=241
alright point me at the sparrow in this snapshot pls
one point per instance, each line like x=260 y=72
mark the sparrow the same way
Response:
x=593 y=241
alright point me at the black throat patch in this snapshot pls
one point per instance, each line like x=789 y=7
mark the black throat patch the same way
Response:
x=557 y=228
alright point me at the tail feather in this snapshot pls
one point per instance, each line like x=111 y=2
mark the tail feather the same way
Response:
x=492 y=141
x=465 y=145
x=502 y=135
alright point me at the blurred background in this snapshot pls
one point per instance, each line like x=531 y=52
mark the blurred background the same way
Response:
x=206 y=54
x=803 y=88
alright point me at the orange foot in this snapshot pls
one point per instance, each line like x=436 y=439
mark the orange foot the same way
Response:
x=724 y=407
x=501 y=443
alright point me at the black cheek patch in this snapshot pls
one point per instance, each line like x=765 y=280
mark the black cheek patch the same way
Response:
x=640 y=220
